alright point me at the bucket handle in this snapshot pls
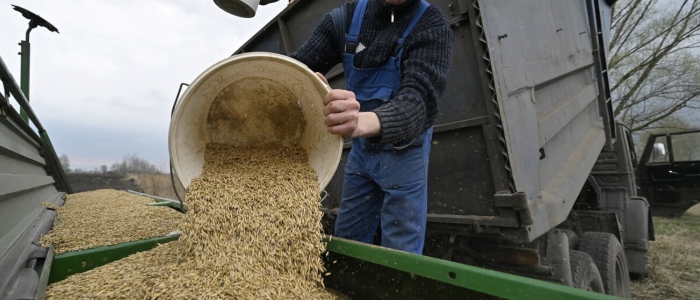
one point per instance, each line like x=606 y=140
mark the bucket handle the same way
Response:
x=172 y=178
x=324 y=194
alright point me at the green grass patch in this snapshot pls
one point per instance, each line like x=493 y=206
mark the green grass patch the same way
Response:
x=688 y=225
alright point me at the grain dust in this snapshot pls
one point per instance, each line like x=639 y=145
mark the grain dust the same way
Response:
x=275 y=118
x=252 y=231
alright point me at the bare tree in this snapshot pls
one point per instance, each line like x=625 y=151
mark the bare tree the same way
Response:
x=131 y=163
x=654 y=60
x=65 y=162
x=103 y=168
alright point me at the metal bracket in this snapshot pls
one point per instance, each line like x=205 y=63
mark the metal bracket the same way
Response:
x=518 y=202
x=463 y=6
x=450 y=247
x=477 y=227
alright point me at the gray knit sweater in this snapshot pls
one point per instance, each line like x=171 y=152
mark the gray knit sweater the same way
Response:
x=424 y=64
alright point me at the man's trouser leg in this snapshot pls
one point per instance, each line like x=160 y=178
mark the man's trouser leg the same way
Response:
x=360 y=207
x=403 y=176
x=386 y=185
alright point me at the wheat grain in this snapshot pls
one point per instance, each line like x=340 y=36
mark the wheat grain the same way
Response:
x=252 y=231
x=107 y=217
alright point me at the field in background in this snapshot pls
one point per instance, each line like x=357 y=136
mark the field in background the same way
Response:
x=158 y=185
x=153 y=184
x=85 y=182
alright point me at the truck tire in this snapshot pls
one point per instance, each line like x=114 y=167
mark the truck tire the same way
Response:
x=584 y=273
x=609 y=257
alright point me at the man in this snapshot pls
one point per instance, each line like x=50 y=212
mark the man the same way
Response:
x=395 y=54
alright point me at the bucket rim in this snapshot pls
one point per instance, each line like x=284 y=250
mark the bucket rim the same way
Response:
x=336 y=151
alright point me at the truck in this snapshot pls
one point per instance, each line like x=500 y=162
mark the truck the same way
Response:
x=534 y=190
x=529 y=172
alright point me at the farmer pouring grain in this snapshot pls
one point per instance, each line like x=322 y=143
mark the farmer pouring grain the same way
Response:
x=396 y=55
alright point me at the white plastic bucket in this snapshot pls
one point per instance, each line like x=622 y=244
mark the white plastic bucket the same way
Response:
x=241 y=8
x=253 y=99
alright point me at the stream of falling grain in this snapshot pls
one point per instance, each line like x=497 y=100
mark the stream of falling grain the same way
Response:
x=252 y=231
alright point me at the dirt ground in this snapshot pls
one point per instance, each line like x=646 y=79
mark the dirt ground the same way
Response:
x=674 y=260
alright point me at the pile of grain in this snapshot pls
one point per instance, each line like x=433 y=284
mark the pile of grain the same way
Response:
x=252 y=231
x=107 y=217
x=695 y=210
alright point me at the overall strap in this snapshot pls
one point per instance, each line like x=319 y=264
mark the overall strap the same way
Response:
x=353 y=37
x=399 y=43
x=338 y=16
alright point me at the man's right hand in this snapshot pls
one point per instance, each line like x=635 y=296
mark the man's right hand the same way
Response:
x=323 y=78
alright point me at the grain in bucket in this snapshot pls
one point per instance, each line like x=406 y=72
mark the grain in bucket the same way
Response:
x=253 y=99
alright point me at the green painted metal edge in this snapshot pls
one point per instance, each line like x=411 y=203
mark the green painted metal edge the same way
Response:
x=14 y=89
x=160 y=201
x=25 y=51
x=44 y=278
x=69 y=263
x=490 y=282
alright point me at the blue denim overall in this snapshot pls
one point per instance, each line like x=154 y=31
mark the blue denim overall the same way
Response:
x=384 y=184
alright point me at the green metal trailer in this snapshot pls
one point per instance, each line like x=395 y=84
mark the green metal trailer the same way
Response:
x=360 y=271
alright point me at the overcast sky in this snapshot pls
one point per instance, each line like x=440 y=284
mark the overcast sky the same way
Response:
x=105 y=85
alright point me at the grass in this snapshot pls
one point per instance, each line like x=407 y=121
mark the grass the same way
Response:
x=674 y=260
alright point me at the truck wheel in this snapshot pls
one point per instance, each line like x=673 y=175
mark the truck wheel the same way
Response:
x=584 y=273
x=609 y=257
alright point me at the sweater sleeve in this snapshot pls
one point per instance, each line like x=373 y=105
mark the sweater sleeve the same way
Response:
x=425 y=67
x=320 y=52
